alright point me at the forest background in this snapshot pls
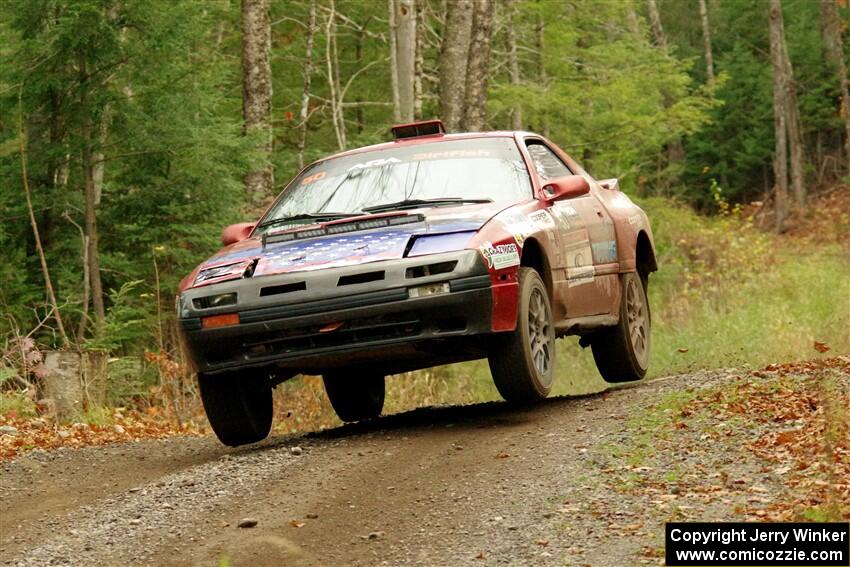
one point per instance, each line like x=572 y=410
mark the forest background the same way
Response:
x=132 y=132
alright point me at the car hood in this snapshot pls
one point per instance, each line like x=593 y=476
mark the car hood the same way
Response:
x=349 y=248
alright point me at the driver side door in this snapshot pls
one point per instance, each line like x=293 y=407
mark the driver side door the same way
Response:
x=577 y=219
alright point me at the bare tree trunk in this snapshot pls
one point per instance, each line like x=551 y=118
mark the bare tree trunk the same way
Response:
x=91 y=199
x=831 y=28
x=359 y=38
x=780 y=159
x=706 y=40
x=513 y=62
x=478 y=67
x=658 y=36
x=784 y=80
x=333 y=78
x=675 y=150
x=257 y=93
x=419 y=66
x=48 y=283
x=795 y=140
x=396 y=89
x=453 y=62
x=541 y=64
x=403 y=19
x=304 y=114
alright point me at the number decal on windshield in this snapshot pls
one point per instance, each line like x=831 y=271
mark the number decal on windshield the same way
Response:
x=315 y=177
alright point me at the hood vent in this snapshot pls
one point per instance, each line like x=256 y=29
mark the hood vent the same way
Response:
x=431 y=269
x=285 y=288
x=365 y=277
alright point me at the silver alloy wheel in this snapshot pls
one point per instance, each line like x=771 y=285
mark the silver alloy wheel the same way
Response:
x=638 y=321
x=539 y=335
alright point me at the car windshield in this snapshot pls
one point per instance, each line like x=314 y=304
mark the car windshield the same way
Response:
x=470 y=170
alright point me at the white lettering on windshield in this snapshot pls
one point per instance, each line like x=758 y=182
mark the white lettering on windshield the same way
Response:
x=451 y=154
x=374 y=163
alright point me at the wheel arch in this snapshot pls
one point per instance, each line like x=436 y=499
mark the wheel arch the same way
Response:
x=645 y=261
x=534 y=256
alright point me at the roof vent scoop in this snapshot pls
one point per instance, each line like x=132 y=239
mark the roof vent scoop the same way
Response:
x=417 y=129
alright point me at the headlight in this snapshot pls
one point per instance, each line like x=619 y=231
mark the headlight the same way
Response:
x=218 y=300
x=236 y=269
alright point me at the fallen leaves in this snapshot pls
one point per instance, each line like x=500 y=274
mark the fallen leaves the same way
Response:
x=821 y=347
x=801 y=410
x=118 y=425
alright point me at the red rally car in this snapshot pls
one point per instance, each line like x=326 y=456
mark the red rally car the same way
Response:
x=431 y=249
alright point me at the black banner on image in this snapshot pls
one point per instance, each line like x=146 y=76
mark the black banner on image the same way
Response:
x=745 y=544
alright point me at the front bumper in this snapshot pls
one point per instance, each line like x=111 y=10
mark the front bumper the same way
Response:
x=350 y=316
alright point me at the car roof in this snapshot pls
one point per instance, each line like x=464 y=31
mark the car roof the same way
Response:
x=427 y=139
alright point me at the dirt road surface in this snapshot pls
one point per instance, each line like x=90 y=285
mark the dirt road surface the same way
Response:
x=474 y=485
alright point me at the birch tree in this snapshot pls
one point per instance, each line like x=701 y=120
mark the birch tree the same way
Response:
x=257 y=95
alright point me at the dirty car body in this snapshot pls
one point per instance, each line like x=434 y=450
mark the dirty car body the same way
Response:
x=408 y=254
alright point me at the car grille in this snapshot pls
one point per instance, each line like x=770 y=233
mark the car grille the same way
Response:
x=317 y=338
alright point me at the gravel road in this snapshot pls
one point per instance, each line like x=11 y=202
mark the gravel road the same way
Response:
x=473 y=485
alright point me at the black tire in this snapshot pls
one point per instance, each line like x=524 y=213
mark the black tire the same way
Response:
x=355 y=397
x=522 y=362
x=622 y=352
x=238 y=405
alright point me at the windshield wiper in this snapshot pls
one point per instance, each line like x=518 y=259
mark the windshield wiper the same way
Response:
x=415 y=203
x=306 y=216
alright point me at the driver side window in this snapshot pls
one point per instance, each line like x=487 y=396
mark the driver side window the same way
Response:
x=547 y=164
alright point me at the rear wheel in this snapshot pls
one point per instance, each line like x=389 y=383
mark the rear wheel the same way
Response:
x=622 y=352
x=238 y=405
x=355 y=397
x=522 y=362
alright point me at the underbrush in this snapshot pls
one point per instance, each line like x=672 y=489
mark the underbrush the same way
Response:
x=726 y=295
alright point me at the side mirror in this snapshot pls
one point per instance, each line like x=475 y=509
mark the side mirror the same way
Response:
x=236 y=232
x=565 y=187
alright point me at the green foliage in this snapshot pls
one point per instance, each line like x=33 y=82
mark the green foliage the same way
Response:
x=154 y=88
x=162 y=100
x=608 y=96
x=124 y=321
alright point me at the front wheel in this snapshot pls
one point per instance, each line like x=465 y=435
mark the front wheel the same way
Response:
x=238 y=405
x=622 y=352
x=522 y=362
x=355 y=397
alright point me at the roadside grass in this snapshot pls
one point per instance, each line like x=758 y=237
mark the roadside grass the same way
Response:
x=17 y=403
